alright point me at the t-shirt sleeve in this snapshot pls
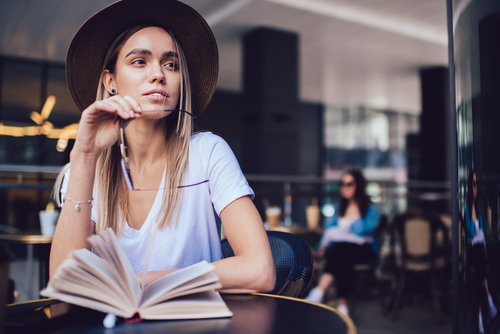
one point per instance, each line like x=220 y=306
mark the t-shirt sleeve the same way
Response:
x=226 y=180
x=64 y=189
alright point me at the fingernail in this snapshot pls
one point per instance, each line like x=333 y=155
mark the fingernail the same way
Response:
x=138 y=108
x=112 y=107
x=131 y=113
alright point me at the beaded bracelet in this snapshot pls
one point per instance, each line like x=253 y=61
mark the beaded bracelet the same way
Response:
x=77 y=206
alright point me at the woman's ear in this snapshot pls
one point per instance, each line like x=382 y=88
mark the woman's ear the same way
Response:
x=108 y=81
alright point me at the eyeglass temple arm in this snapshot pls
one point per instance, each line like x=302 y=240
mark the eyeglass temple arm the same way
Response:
x=184 y=111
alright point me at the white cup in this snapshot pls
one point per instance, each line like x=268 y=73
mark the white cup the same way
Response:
x=273 y=215
x=312 y=216
x=48 y=220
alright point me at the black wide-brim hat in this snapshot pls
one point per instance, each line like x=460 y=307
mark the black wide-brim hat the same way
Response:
x=88 y=48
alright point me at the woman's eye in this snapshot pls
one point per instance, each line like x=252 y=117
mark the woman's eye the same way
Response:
x=171 y=65
x=139 y=62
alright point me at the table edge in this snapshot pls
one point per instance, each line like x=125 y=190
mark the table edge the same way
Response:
x=351 y=328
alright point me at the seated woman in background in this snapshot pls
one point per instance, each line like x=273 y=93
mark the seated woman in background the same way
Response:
x=346 y=240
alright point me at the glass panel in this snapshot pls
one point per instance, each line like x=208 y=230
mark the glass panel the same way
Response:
x=477 y=70
x=21 y=89
x=63 y=114
x=377 y=142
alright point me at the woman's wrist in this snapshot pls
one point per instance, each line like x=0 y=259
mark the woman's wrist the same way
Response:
x=87 y=158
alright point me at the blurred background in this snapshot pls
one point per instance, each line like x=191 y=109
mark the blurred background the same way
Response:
x=306 y=89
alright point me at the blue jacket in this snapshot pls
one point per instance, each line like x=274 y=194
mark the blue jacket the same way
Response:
x=471 y=227
x=362 y=226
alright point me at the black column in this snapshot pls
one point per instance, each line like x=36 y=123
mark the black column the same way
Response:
x=434 y=125
x=270 y=115
x=486 y=122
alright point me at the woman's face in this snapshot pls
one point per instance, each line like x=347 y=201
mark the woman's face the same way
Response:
x=348 y=187
x=147 y=69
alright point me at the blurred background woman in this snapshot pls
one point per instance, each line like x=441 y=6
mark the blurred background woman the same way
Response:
x=347 y=240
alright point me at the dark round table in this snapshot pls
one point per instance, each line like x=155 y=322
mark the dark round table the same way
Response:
x=253 y=314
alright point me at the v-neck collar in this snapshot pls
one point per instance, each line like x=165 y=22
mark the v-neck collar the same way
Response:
x=153 y=213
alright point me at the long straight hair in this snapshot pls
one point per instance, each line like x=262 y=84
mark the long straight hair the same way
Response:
x=110 y=189
x=471 y=199
x=360 y=195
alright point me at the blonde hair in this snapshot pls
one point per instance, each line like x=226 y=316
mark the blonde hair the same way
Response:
x=111 y=191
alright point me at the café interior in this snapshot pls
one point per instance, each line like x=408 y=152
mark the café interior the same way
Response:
x=306 y=90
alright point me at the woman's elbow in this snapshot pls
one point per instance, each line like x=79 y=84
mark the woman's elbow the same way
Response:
x=265 y=279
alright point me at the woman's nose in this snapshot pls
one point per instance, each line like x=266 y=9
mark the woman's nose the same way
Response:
x=156 y=74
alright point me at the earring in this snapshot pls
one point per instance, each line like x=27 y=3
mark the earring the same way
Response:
x=113 y=91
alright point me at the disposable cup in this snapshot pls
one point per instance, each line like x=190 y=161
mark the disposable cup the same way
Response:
x=273 y=215
x=48 y=220
x=312 y=216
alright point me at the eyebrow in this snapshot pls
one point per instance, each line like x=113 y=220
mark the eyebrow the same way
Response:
x=146 y=52
x=170 y=54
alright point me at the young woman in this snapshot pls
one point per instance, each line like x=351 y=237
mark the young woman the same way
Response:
x=136 y=163
x=346 y=240
x=477 y=254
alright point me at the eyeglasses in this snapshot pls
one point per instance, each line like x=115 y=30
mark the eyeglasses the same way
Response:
x=347 y=184
x=161 y=113
x=124 y=153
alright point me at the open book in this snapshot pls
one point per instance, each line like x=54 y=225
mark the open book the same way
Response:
x=108 y=284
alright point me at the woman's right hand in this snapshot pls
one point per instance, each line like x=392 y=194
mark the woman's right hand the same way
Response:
x=99 y=127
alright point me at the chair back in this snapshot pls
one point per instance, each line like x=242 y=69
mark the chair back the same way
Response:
x=379 y=231
x=423 y=239
x=293 y=261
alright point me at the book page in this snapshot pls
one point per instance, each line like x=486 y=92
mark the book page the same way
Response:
x=109 y=248
x=99 y=269
x=72 y=283
x=85 y=302
x=157 y=293
x=165 y=284
x=208 y=304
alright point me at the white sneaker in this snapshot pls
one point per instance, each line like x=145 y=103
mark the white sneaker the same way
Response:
x=315 y=295
x=343 y=309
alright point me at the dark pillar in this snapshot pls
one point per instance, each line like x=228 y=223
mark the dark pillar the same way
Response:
x=486 y=123
x=434 y=164
x=270 y=137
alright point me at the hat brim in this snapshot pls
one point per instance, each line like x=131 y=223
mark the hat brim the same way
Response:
x=88 y=48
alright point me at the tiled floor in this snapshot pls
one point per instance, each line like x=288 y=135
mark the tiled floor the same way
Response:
x=417 y=318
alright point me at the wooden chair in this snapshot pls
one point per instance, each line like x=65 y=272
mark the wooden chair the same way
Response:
x=424 y=250
x=292 y=258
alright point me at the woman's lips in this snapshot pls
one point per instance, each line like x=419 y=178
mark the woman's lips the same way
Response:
x=156 y=96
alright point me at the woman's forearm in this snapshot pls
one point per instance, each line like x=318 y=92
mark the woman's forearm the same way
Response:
x=245 y=274
x=74 y=226
x=237 y=274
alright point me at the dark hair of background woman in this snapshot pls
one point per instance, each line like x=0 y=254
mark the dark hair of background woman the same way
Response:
x=360 y=195
x=471 y=199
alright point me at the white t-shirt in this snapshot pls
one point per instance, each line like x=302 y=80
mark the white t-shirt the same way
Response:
x=479 y=236
x=195 y=237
